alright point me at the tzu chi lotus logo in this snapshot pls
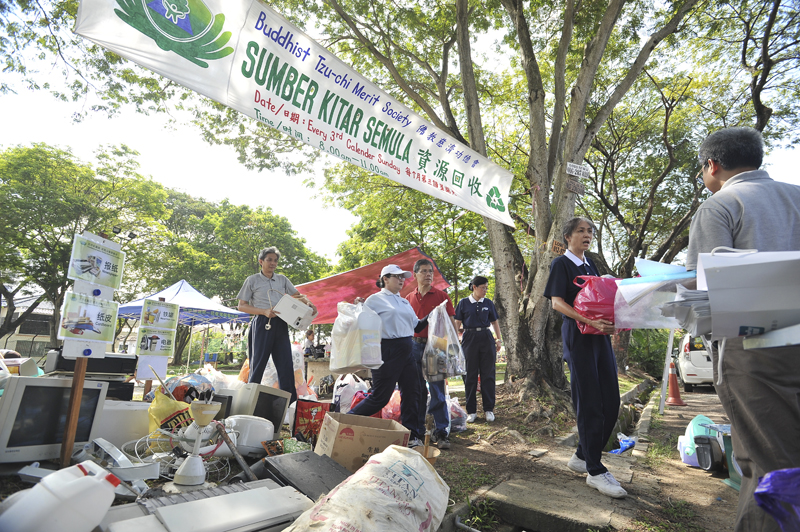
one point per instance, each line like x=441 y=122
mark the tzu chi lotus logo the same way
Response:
x=186 y=27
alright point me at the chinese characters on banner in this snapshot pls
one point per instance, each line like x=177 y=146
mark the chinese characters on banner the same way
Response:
x=248 y=57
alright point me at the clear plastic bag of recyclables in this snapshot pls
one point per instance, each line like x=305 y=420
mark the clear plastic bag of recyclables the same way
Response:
x=395 y=490
x=443 y=355
x=356 y=339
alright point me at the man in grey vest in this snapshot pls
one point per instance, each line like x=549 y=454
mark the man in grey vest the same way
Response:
x=760 y=388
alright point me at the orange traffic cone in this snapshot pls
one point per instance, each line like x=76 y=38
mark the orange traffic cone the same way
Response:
x=674 y=397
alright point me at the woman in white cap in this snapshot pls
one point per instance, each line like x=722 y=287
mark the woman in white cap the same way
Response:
x=399 y=322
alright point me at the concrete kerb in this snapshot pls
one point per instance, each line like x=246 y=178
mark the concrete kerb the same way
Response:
x=643 y=428
x=518 y=499
x=462 y=509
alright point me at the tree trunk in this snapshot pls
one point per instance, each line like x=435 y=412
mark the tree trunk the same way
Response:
x=182 y=336
x=526 y=337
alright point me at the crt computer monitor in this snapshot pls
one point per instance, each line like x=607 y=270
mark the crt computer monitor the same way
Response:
x=263 y=401
x=33 y=414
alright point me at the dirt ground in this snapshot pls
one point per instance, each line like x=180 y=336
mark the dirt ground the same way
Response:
x=664 y=493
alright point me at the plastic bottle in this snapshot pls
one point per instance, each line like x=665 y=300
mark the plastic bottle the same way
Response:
x=74 y=499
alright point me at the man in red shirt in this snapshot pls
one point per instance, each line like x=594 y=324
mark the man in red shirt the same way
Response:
x=423 y=300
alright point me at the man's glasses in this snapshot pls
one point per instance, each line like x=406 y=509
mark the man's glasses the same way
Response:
x=699 y=178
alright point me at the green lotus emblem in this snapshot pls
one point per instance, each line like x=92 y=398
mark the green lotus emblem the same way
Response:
x=186 y=27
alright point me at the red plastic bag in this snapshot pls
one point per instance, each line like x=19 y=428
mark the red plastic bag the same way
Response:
x=360 y=396
x=595 y=300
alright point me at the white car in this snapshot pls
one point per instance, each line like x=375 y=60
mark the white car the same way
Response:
x=694 y=363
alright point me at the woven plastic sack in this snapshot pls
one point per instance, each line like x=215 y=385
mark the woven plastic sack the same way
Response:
x=443 y=350
x=595 y=300
x=396 y=490
x=355 y=339
x=778 y=493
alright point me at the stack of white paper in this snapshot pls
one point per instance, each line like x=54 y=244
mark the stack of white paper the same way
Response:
x=692 y=309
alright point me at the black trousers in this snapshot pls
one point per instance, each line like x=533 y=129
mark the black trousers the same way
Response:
x=480 y=354
x=275 y=341
x=595 y=391
x=399 y=368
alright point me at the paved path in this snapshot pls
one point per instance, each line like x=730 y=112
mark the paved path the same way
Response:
x=563 y=501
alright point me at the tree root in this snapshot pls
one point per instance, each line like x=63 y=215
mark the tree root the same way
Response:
x=543 y=399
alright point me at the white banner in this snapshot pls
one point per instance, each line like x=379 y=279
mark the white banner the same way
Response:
x=248 y=57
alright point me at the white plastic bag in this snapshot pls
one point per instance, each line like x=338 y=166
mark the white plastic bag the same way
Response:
x=443 y=354
x=395 y=490
x=458 y=416
x=270 y=376
x=356 y=339
x=344 y=389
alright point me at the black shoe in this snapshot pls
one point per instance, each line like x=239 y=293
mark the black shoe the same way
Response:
x=441 y=439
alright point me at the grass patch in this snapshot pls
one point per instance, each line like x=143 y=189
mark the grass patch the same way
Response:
x=673 y=517
x=661 y=449
x=482 y=515
x=464 y=477
x=627 y=382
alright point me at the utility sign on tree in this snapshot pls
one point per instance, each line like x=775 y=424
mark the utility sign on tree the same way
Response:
x=248 y=57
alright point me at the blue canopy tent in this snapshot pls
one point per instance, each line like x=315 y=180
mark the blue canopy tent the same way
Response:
x=195 y=308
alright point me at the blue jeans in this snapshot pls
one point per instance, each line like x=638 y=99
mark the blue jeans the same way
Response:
x=438 y=406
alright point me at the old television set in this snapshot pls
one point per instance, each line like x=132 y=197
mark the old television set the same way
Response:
x=33 y=415
x=263 y=401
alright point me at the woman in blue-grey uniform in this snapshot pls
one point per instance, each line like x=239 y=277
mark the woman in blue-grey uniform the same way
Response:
x=592 y=366
x=478 y=316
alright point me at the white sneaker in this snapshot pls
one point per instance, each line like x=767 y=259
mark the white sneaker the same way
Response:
x=607 y=485
x=471 y=418
x=489 y=416
x=416 y=442
x=577 y=465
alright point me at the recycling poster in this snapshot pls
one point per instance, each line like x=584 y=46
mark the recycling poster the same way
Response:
x=95 y=263
x=88 y=318
x=157 y=328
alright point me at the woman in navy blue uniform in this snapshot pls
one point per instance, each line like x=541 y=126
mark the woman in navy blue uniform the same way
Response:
x=478 y=315
x=592 y=366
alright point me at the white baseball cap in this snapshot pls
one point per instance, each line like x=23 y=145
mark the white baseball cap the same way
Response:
x=394 y=269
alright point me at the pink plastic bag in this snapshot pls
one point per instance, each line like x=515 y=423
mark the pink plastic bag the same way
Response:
x=595 y=300
x=392 y=408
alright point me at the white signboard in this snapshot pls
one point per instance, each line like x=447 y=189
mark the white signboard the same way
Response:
x=248 y=57
x=578 y=170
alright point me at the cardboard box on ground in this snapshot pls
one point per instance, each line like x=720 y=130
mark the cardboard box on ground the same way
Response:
x=351 y=440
